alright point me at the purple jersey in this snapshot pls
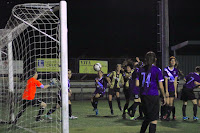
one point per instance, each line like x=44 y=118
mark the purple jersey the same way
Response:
x=68 y=84
x=60 y=91
x=149 y=80
x=101 y=86
x=171 y=75
x=133 y=88
x=190 y=79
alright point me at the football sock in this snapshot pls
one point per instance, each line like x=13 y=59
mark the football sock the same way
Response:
x=51 y=110
x=133 y=108
x=195 y=109
x=70 y=110
x=140 y=110
x=110 y=105
x=152 y=128
x=41 y=110
x=173 y=111
x=19 y=115
x=144 y=126
x=20 y=112
x=95 y=100
x=125 y=107
x=92 y=104
x=184 y=110
x=118 y=102
x=163 y=110
x=169 y=111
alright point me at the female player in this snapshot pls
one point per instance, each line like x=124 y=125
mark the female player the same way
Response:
x=127 y=76
x=149 y=78
x=192 y=81
x=135 y=91
x=59 y=100
x=114 y=78
x=170 y=76
x=29 y=97
x=101 y=85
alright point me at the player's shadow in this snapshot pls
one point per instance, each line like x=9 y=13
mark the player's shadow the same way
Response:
x=128 y=122
x=3 y=122
x=102 y=116
x=172 y=124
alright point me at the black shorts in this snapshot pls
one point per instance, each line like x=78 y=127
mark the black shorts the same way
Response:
x=113 y=91
x=126 y=93
x=187 y=94
x=150 y=105
x=171 y=93
x=34 y=102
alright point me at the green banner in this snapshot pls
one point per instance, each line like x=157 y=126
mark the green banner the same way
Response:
x=86 y=66
x=47 y=65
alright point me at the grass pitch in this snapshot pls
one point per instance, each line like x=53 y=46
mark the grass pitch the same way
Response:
x=87 y=122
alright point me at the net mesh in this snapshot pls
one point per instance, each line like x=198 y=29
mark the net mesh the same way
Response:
x=30 y=42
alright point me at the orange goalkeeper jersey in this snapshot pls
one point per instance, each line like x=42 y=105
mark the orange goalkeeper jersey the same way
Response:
x=29 y=92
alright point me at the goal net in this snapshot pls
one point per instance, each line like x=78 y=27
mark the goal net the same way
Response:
x=30 y=42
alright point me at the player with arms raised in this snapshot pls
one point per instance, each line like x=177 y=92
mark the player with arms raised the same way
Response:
x=149 y=78
x=192 y=81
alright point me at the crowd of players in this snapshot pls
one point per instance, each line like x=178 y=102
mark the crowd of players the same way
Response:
x=142 y=81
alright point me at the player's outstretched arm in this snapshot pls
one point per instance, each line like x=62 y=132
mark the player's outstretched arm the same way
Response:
x=46 y=86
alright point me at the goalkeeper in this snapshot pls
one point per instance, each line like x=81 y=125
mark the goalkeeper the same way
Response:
x=59 y=100
x=29 y=97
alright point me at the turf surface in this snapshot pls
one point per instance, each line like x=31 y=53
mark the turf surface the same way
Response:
x=87 y=122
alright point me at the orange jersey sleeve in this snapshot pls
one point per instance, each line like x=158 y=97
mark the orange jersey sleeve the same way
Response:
x=38 y=83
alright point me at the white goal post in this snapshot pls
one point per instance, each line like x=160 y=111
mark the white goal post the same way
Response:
x=34 y=39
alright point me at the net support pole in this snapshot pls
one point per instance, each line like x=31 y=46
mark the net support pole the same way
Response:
x=64 y=65
x=165 y=33
x=11 y=79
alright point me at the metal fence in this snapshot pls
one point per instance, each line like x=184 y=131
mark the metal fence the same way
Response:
x=187 y=63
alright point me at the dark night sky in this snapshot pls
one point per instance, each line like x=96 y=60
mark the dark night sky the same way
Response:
x=120 y=28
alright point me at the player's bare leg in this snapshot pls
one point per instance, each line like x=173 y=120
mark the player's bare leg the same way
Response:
x=125 y=107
